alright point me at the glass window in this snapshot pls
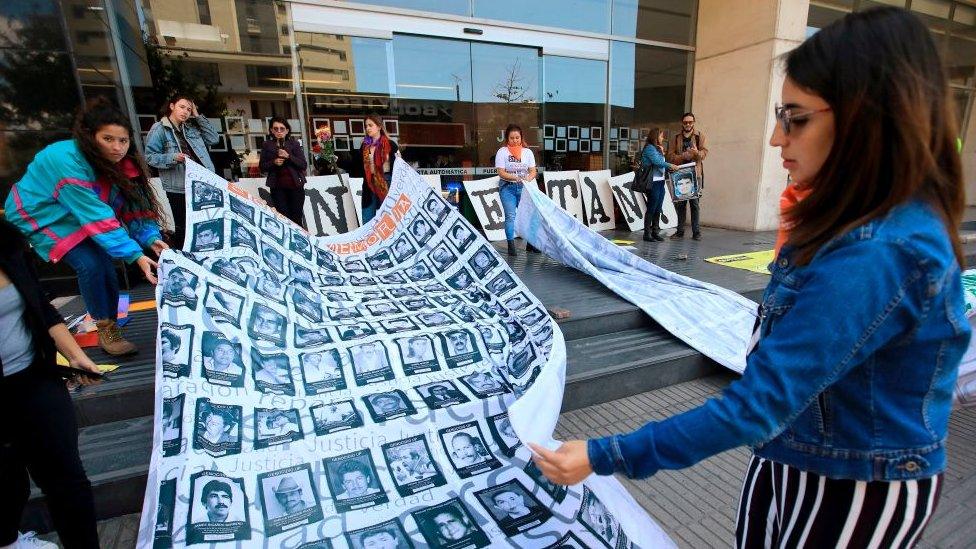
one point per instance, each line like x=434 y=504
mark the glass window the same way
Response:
x=648 y=89
x=583 y=15
x=962 y=100
x=662 y=20
x=23 y=73
x=34 y=24
x=432 y=68
x=19 y=148
x=822 y=15
x=454 y=7
x=575 y=95
x=960 y=60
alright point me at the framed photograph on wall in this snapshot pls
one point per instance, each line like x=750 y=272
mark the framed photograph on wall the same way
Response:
x=560 y=145
x=584 y=133
x=643 y=134
x=357 y=126
x=584 y=145
x=234 y=124
x=339 y=126
x=548 y=144
x=296 y=126
x=560 y=131
x=549 y=131
x=573 y=145
x=572 y=132
x=357 y=143
x=612 y=146
x=595 y=146
x=220 y=145
x=255 y=126
x=238 y=143
x=319 y=122
x=341 y=142
x=613 y=133
x=146 y=122
x=256 y=142
x=596 y=132
x=624 y=133
x=392 y=127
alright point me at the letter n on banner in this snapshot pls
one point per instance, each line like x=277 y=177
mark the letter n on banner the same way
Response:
x=597 y=200
x=564 y=189
x=488 y=206
x=631 y=203
x=329 y=206
x=355 y=185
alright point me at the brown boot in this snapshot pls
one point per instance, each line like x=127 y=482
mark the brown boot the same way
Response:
x=111 y=340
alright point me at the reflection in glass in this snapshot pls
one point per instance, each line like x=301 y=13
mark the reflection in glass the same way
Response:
x=23 y=73
x=417 y=77
x=648 y=89
x=19 y=148
x=662 y=20
x=583 y=15
x=454 y=7
x=575 y=95
x=34 y=24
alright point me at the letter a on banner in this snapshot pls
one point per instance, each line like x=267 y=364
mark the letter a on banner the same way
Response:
x=597 y=200
x=564 y=189
x=631 y=203
x=488 y=206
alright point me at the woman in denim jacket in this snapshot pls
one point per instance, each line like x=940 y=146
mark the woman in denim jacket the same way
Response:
x=653 y=155
x=181 y=133
x=846 y=397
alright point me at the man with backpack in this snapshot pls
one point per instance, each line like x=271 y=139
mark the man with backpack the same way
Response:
x=686 y=146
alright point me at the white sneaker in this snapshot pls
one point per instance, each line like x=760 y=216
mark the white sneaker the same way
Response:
x=29 y=540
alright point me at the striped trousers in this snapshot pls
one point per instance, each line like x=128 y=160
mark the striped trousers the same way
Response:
x=781 y=506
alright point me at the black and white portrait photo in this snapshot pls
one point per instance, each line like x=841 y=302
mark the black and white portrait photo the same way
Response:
x=273 y=227
x=229 y=270
x=516 y=333
x=446 y=300
x=388 y=405
x=412 y=466
x=484 y=384
x=442 y=257
x=421 y=229
x=205 y=196
x=437 y=209
x=242 y=208
x=417 y=303
x=217 y=428
x=267 y=324
x=344 y=313
x=322 y=372
x=460 y=280
x=326 y=260
x=492 y=337
x=268 y=286
x=513 y=507
x=299 y=244
x=460 y=348
x=218 y=509
x=383 y=308
x=403 y=291
x=460 y=235
x=556 y=491
x=334 y=296
x=288 y=498
x=224 y=305
x=352 y=332
x=241 y=235
x=517 y=302
x=180 y=288
x=466 y=313
x=391 y=278
x=361 y=280
x=172 y=425
x=323 y=543
x=335 y=416
x=396 y=325
x=208 y=236
x=533 y=317
x=273 y=257
x=175 y=349
x=598 y=520
x=353 y=481
x=440 y=394
x=435 y=288
x=310 y=337
x=380 y=261
x=436 y=318
x=273 y=427
x=568 y=541
x=354 y=266
x=272 y=373
x=483 y=261
x=417 y=355
x=402 y=248
x=467 y=449
x=222 y=361
x=520 y=361
x=373 y=294
x=370 y=363
x=419 y=271
x=327 y=279
x=449 y=525
x=501 y=284
x=165 y=510
x=385 y=535
x=301 y=275
x=501 y=430
x=307 y=304
x=543 y=336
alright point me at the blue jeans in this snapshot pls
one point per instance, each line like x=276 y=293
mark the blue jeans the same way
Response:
x=97 y=281
x=655 y=203
x=509 y=193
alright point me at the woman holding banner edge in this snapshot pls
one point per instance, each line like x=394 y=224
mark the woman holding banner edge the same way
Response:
x=516 y=166
x=846 y=396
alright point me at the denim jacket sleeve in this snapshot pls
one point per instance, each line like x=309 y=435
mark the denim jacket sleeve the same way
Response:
x=209 y=134
x=835 y=322
x=651 y=155
x=156 y=155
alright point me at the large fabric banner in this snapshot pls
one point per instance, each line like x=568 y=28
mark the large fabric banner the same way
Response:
x=487 y=204
x=965 y=394
x=715 y=321
x=372 y=389
x=329 y=207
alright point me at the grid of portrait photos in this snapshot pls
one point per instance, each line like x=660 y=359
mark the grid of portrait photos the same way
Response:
x=315 y=392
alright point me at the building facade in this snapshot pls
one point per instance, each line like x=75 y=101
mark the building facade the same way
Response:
x=585 y=79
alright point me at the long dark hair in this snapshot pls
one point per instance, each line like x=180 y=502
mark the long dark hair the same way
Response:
x=653 y=137
x=96 y=114
x=379 y=123
x=166 y=109
x=281 y=120
x=514 y=128
x=895 y=130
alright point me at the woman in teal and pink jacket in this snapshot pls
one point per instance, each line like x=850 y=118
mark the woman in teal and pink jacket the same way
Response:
x=87 y=200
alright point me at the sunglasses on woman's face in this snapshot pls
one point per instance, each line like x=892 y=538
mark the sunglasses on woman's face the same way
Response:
x=789 y=116
x=279 y=129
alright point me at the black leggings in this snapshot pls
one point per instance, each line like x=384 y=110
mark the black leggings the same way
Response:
x=39 y=436
x=177 y=202
x=289 y=202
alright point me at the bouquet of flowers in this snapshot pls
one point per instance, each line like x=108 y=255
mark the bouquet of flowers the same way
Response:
x=323 y=152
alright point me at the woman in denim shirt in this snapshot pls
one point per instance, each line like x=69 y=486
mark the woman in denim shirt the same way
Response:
x=846 y=397
x=653 y=155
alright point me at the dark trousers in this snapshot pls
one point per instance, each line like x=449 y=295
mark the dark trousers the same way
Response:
x=177 y=202
x=39 y=437
x=290 y=203
x=655 y=204
x=682 y=212
x=97 y=281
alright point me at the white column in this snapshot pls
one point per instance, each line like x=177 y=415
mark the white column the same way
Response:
x=737 y=82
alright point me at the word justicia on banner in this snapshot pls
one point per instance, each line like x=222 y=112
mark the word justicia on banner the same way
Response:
x=372 y=389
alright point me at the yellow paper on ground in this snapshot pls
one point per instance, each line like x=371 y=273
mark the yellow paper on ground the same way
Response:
x=751 y=261
x=142 y=305
x=622 y=242
x=104 y=368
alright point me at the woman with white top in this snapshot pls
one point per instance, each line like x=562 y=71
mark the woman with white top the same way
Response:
x=516 y=166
